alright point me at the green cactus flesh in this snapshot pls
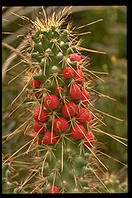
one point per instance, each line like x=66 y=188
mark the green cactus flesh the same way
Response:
x=65 y=166
x=67 y=170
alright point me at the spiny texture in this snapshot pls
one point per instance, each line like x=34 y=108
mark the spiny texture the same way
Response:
x=114 y=183
x=63 y=97
x=8 y=185
x=62 y=119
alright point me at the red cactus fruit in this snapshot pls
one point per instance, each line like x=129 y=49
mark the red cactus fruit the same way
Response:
x=54 y=190
x=38 y=94
x=68 y=72
x=75 y=57
x=85 y=96
x=38 y=127
x=35 y=83
x=75 y=92
x=60 y=124
x=90 y=120
x=90 y=139
x=33 y=134
x=39 y=140
x=78 y=131
x=50 y=138
x=90 y=117
x=83 y=115
x=40 y=114
x=69 y=109
x=51 y=102
x=37 y=70
x=79 y=76
x=60 y=89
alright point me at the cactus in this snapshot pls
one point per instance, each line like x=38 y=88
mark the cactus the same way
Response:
x=114 y=184
x=60 y=118
x=8 y=186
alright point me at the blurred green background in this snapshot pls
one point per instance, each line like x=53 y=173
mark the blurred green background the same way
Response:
x=108 y=35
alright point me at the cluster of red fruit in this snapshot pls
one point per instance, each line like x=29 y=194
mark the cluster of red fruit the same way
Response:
x=69 y=109
x=36 y=84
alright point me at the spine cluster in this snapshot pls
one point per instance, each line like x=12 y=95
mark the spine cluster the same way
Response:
x=65 y=106
x=62 y=118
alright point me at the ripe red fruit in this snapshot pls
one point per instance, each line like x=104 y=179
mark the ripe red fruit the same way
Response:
x=35 y=83
x=39 y=140
x=79 y=76
x=90 y=139
x=33 y=134
x=60 y=124
x=90 y=120
x=75 y=92
x=37 y=70
x=85 y=96
x=60 y=89
x=40 y=114
x=70 y=109
x=54 y=190
x=83 y=115
x=78 y=132
x=50 y=138
x=75 y=57
x=38 y=94
x=51 y=102
x=38 y=127
x=68 y=72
